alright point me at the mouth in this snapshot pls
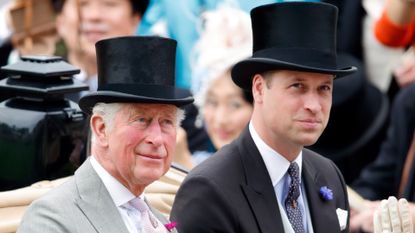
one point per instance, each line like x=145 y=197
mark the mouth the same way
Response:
x=310 y=123
x=151 y=156
x=94 y=36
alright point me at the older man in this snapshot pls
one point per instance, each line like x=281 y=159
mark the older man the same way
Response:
x=135 y=114
x=265 y=181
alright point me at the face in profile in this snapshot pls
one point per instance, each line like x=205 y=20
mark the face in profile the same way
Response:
x=226 y=112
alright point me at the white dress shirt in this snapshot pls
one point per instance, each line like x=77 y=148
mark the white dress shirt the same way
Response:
x=277 y=167
x=120 y=195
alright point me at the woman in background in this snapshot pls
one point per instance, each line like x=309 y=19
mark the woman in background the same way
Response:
x=225 y=108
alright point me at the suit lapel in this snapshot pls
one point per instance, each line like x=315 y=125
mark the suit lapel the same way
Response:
x=95 y=201
x=323 y=213
x=258 y=188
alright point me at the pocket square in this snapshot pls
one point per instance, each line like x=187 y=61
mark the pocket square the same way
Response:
x=342 y=217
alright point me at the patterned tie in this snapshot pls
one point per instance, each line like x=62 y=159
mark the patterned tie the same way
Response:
x=291 y=203
x=149 y=223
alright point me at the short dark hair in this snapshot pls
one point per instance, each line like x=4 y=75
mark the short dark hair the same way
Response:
x=138 y=6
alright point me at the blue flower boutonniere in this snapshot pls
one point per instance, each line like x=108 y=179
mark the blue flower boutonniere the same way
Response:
x=326 y=193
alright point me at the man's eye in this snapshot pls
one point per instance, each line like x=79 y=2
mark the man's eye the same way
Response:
x=297 y=85
x=142 y=120
x=168 y=122
x=325 y=88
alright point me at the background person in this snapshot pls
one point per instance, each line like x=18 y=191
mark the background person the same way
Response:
x=396 y=28
x=81 y=23
x=225 y=108
x=392 y=173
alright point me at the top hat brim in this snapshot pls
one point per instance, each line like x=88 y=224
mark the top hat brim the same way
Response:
x=86 y=103
x=243 y=71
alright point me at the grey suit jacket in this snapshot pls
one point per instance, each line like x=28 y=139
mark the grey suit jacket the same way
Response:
x=82 y=204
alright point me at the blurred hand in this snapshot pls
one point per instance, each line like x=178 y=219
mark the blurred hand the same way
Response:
x=405 y=73
x=393 y=216
x=362 y=220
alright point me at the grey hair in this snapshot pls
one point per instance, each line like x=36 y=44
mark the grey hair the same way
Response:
x=109 y=110
x=180 y=116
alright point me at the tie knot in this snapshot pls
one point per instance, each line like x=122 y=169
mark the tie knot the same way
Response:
x=139 y=204
x=293 y=170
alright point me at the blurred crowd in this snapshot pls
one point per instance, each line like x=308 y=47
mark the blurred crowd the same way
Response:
x=370 y=135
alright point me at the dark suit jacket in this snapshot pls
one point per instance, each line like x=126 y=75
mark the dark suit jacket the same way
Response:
x=232 y=192
x=382 y=178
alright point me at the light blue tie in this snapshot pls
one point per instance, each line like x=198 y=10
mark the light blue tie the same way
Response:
x=291 y=202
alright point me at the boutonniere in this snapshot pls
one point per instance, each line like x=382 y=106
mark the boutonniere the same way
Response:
x=170 y=226
x=326 y=193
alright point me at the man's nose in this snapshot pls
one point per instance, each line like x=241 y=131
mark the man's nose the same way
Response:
x=312 y=102
x=154 y=134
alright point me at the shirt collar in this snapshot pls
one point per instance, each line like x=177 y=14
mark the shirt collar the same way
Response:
x=118 y=192
x=276 y=164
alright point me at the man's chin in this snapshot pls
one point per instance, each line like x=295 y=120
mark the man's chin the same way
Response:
x=147 y=180
x=309 y=141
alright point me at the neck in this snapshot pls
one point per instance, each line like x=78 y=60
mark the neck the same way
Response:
x=286 y=148
x=135 y=189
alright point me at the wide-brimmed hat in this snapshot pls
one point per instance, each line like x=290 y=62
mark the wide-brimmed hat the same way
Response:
x=291 y=36
x=136 y=69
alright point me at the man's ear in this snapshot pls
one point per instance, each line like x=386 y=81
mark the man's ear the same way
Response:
x=258 y=86
x=99 y=129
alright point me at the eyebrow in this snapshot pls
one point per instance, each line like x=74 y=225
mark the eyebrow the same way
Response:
x=168 y=114
x=328 y=82
x=301 y=79
x=134 y=112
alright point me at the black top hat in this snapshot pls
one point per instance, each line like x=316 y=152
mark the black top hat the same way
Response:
x=136 y=69
x=291 y=36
